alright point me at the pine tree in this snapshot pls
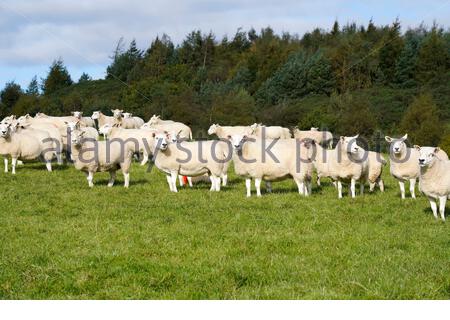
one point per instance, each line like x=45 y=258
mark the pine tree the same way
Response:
x=123 y=61
x=9 y=96
x=33 y=87
x=84 y=78
x=422 y=122
x=406 y=66
x=335 y=30
x=390 y=52
x=58 y=77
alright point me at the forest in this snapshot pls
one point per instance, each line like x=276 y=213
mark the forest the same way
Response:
x=368 y=79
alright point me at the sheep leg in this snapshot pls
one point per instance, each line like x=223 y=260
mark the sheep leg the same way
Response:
x=412 y=187
x=353 y=187
x=309 y=187
x=402 y=188
x=173 y=176
x=169 y=182
x=442 y=201
x=112 y=178
x=339 y=187
x=268 y=187
x=190 y=182
x=217 y=179
x=144 y=159
x=180 y=180
x=372 y=186
x=59 y=159
x=90 y=179
x=381 y=185
x=13 y=165
x=48 y=164
x=213 y=182
x=258 y=187
x=248 y=186
x=433 y=206
x=126 y=178
x=6 y=164
x=224 y=180
x=300 y=186
x=318 y=180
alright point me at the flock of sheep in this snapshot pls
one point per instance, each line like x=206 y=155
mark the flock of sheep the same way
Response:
x=258 y=152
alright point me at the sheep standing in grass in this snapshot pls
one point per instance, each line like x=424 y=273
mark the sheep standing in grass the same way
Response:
x=138 y=122
x=373 y=168
x=324 y=138
x=182 y=130
x=190 y=159
x=434 y=178
x=342 y=164
x=89 y=132
x=287 y=158
x=24 y=146
x=223 y=132
x=95 y=156
x=139 y=140
x=272 y=132
x=404 y=163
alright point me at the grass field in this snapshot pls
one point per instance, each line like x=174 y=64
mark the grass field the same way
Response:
x=61 y=240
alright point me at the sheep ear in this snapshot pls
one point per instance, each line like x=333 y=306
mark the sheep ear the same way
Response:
x=153 y=134
x=417 y=147
x=342 y=138
x=436 y=150
x=66 y=122
x=405 y=137
x=356 y=137
x=388 y=139
x=229 y=137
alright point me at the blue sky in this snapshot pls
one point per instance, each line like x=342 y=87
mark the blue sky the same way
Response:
x=84 y=32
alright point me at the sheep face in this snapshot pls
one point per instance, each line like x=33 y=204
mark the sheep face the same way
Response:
x=117 y=113
x=213 y=129
x=127 y=115
x=4 y=130
x=72 y=125
x=427 y=155
x=105 y=129
x=154 y=119
x=237 y=141
x=95 y=115
x=77 y=114
x=350 y=145
x=146 y=126
x=162 y=140
x=397 y=145
x=76 y=137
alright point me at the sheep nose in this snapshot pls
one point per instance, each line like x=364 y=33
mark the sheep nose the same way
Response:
x=396 y=149
x=421 y=160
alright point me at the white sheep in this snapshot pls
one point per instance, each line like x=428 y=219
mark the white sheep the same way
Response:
x=341 y=164
x=272 y=132
x=138 y=122
x=24 y=146
x=190 y=159
x=182 y=130
x=157 y=120
x=140 y=140
x=223 y=132
x=89 y=132
x=84 y=121
x=95 y=156
x=322 y=137
x=376 y=163
x=102 y=119
x=404 y=163
x=291 y=160
x=434 y=178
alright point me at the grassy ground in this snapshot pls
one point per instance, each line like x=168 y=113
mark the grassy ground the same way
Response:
x=61 y=240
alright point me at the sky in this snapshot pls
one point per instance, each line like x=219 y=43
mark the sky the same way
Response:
x=84 y=33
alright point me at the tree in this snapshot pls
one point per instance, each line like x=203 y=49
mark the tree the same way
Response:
x=390 y=52
x=58 y=77
x=123 y=61
x=9 y=96
x=434 y=56
x=422 y=122
x=406 y=66
x=33 y=87
x=84 y=78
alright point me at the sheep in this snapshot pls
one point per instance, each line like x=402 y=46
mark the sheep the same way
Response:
x=291 y=160
x=126 y=123
x=226 y=131
x=434 y=178
x=404 y=163
x=57 y=120
x=84 y=121
x=190 y=159
x=99 y=156
x=102 y=119
x=52 y=129
x=8 y=119
x=344 y=163
x=140 y=140
x=376 y=163
x=139 y=122
x=24 y=146
x=157 y=120
x=273 y=132
x=322 y=137
x=182 y=130
x=89 y=132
